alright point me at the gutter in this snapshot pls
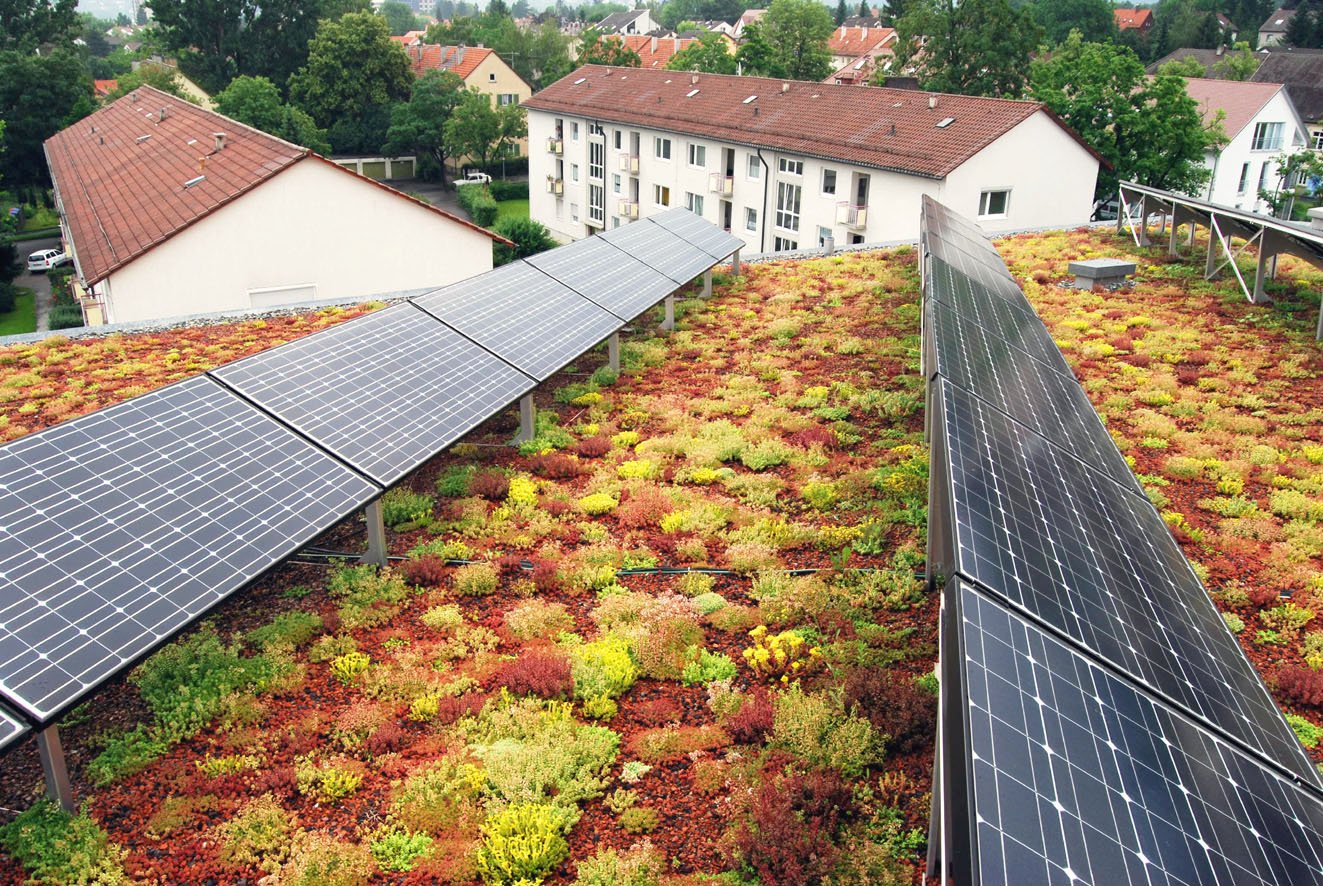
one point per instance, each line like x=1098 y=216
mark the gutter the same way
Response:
x=767 y=184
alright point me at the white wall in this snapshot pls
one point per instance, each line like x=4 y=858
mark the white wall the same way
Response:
x=1225 y=185
x=311 y=225
x=1051 y=177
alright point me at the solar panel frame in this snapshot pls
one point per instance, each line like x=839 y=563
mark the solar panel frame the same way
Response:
x=1084 y=555
x=605 y=275
x=11 y=728
x=123 y=526
x=1077 y=776
x=695 y=230
x=523 y=316
x=385 y=392
x=660 y=250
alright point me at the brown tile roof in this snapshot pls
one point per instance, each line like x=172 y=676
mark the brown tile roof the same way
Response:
x=1133 y=19
x=461 y=60
x=1302 y=72
x=1278 y=22
x=855 y=42
x=655 y=52
x=104 y=87
x=1241 y=100
x=124 y=194
x=883 y=128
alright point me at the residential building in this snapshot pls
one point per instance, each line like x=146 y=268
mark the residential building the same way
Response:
x=1273 y=31
x=787 y=165
x=748 y=17
x=1261 y=123
x=480 y=68
x=1210 y=59
x=1133 y=19
x=169 y=210
x=1301 y=71
x=409 y=38
x=637 y=21
x=849 y=45
x=655 y=52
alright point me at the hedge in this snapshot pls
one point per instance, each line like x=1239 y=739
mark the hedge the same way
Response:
x=478 y=202
x=503 y=190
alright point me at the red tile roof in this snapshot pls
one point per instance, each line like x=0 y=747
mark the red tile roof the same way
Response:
x=655 y=52
x=854 y=42
x=1133 y=19
x=883 y=128
x=1241 y=100
x=104 y=87
x=461 y=60
x=121 y=174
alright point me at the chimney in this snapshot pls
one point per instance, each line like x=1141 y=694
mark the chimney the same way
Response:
x=459 y=53
x=785 y=87
x=863 y=33
x=654 y=45
x=220 y=141
x=693 y=80
x=164 y=113
x=932 y=102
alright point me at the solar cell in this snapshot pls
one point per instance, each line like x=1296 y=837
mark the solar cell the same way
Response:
x=385 y=392
x=522 y=316
x=1007 y=378
x=660 y=250
x=11 y=728
x=599 y=271
x=1085 y=556
x=983 y=267
x=1079 y=777
x=120 y=527
x=693 y=229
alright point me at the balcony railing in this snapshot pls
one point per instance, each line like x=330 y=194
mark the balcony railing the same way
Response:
x=629 y=209
x=721 y=184
x=555 y=146
x=629 y=163
x=851 y=216
x=555 y=185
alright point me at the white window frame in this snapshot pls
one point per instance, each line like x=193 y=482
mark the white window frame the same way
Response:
x=574 y=130
x=823 y=234
x=784 y=244
x=750 y=219
x=1267 y=137
x=693 y=202
x=755 y=169
x=660 y=191
x=574 y=172
x=615 y=183
x=985 y=203
x=1244 y=178
x=1263 y=175
x=834 y=179
x=661 y=148
x=790 y=167
x=698 y=155
x=1316 y=140
x=789 y=205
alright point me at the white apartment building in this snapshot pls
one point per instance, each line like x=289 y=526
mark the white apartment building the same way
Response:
x=787 y=165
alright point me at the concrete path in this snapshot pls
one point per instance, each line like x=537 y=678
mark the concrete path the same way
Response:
x=37 y=282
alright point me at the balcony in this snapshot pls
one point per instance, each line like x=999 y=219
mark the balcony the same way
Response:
x=629 y=209
x=629 y=163
x=555 y=185
x=555 y=146
x=721 y=184
x=851 y=216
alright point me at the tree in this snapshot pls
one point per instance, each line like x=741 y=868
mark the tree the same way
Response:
x=354 y=74
x=39 y=96
x=756 y=57
x=841 y=13
x=473 y=127
x=529 y=238
x=418 y=126
x=1148 y=130
x=1185 y=66
x=257 y=102
x=1304 y=167
x=513 y=126
x=29 y=24
x=399 y=17
x=797 y=31
x=979 y=47
x=596 y=49
x=675 y=12
x=1302 y=30
x=1239 y=64
x=1092 y=18
x=865 y=11
x=707 y=55
x=156 y=76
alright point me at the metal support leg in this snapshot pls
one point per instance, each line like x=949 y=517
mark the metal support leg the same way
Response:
x=707 y=283
x=669 y=323
x=527 y=420
x=1262 y=270
x=1318 y=332
x=52 y=766
x=1143 y=221
x=376 y=533
x=735 y=264
x=1172 y=248
x=613 y=351
x=1210 y=268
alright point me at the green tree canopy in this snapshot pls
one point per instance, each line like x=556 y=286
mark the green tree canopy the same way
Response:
x=399 y=17
x=39 y=96
x=675 y=12
x=1149 y=130
x=354 y=74
x=597 y=49
x=979 y=47
x=156 y=76
x=529 y=238
x=473 y=127
x=28 y=24
x=708 y=55
x=418 y=126
x=1238 y=64
x=796 y=31
x=1092 y=18
x=257 y=102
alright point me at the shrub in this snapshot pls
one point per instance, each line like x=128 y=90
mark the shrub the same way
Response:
x=597 y=503
x=428 y=571
x=397 y=850
x=508 y=190
x=537 y=672
x=817 y=730
x=788 y=836
x=593 y=447
x=603 y=668
x=56 y=847
x=529 y=238
x=231 y=764
x=368 y=595
x=694 y=584
x=639 y=865
x=445 y=618
x=706 y=604
x=1234 y=622
x=291 y=630
x=124 y=754
x=318 y=859
x=764 y=455
x=708 y=668
x=491 y=485
x=437 y=795
x=523 y=841
x=476 y=579
x=555 y=466
x=1301 y=685
x=531 y=619
x=671 y=742
x=258 y=835
x=477 y=201
x=454 y=481
x=752 y=722
x=895 y=707
x=348 y=666
x=780 y=655
x=640 y=820
x=401 y=507
x=1288 y=618
x=328 y=781
x=1307 y=732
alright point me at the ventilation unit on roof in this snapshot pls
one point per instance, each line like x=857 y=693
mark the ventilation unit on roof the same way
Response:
x=691 y=93
x=165 y=112
x=195 y=181
x=945 y=122
x=220 y=140
x=932 y=102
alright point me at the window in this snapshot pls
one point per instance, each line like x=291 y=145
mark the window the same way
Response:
x=824 y=234
x=661 y=148
x=1244 y=178
x=1263 y=176
x=574 y=172
x=791 y=167
x=574 y=212
x=615 y=184
x=993 y=204
x=694 y=203
x=661 y=195
x=596 y=160
x=597 y=205
x=1316 y=140
x=617 y=139
x=574 y=131
x=615 y=221
x=787 y=206
x=783 y=244
x=596 y=129
x=1267 y=137
x=829 y=182
x=697 y=155
x=507 y=98
x=750 y=219
x=755 y=167
x=491 y=78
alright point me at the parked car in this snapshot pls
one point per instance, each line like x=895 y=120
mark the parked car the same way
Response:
x=474 y=178
x=45 y=259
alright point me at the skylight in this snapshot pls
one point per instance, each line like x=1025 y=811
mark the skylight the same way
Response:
x=691 y=93
x=749 y=99
x=946 y=121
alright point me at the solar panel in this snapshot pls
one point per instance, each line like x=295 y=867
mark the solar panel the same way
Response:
x=693 y=229
x=1094 y=561
x=120 y=527
x=660 y=250
x=1078 y=777
x=522 y=316
x=599 y=271
x=1050 y=404
x=985 y=268
x=385 y=392
x=11 y=729
x=1010 y=318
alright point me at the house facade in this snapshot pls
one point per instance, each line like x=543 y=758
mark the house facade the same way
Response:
x=636 y=21
x=1261 y=123
x=170 y=210
x=786 y=166
x=480 y=68
x=1140 y=20
x=1273 y=31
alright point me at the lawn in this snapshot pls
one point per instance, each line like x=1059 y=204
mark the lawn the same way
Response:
x=511 y=209
x=683 y=632
x=24 y=316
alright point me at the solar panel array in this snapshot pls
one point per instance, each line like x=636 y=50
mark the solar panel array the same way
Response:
x=120 y=528
x=1100 y=723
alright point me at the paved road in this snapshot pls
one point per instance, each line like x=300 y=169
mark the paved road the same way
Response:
x=37 y=282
